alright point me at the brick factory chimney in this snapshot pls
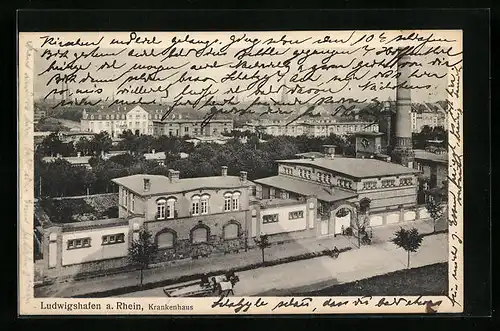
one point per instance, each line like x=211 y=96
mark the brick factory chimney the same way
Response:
x=243 y=176
x=173 y=175
x=224 y=171
x=403 y=150
x=147 y=184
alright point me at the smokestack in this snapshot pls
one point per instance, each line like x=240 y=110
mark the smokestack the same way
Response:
x=403 y=151
x=224 y=171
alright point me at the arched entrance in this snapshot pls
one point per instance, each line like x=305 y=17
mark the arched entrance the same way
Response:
x=342 y=220
x=342 y=216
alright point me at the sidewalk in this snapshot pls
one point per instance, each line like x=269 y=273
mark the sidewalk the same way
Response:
x=214 y=264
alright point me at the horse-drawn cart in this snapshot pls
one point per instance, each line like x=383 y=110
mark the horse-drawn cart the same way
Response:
x=217 y=286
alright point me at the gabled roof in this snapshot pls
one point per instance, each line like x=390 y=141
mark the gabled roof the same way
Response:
x=161 y=185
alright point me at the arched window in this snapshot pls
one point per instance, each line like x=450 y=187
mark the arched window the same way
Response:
x=195 y=205
x=204 y=204
x=227 y=201
x=165 y=208
x=161 y=209
x=166 y=238
x=236 y=201
x=199 y=235
x=231 y=230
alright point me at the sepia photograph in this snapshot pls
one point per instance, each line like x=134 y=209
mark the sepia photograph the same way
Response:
x=252 y=172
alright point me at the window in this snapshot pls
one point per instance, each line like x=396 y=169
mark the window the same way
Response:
x=165 y=239
x=231 y=231
x=344 y=183
x=308 y=174
x=160 y=209
x=405 y=181
x=195 y=205
x=369 y=185
x=329 y=178
x=126 y=198
x=204 y=205
x=78 y=243
x=199 y=235
x=284 y=195
x=301 y=174
x=236 y=201
x=111 y=239
x=388 y=183
x=295 y=215
x=227 y=201
x=132 y=202
x=170 y=208
x=186 y=129
x=273 y=218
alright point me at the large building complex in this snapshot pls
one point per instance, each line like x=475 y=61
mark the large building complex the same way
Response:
x=310 y=127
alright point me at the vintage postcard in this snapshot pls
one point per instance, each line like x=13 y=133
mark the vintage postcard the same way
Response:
x=284 y=172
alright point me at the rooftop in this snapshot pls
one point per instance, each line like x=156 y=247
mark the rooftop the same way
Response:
x=355 y=167
x=155 y=156
x=429 y=156
x=162 y=184
x=269 y=203
x=306 y=188
x=310 y=154
x=70 y=159
x=368 y=133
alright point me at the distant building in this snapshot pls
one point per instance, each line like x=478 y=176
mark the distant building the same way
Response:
x=117 y=119
x=75 y=161
x=179 y=126
x=311 y=127
x=433 y=165
x=38 y=115
x=430 y=114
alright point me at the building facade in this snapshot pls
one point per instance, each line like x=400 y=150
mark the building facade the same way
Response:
x=118 y=119
x=311 y=127
x=381 y=192
x=426 y=114
x=179 y=127
x=434 y=166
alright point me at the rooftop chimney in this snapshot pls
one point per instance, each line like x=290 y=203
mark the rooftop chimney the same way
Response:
x=78 y=154
x=224 y=171
x=173 y=175
x=153 y=151
x=243 y=176
x=147 y=184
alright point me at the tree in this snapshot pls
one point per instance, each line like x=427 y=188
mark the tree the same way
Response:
x=435 y=208
x=409 y=240
x=143 y=251
x=263 y=243
x=101 y=143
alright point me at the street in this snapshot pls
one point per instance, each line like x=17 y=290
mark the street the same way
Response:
x=318 y=273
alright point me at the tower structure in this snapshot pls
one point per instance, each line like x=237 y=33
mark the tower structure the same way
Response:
x=403 y=147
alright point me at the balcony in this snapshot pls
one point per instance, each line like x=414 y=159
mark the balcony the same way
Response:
x=158 y=218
